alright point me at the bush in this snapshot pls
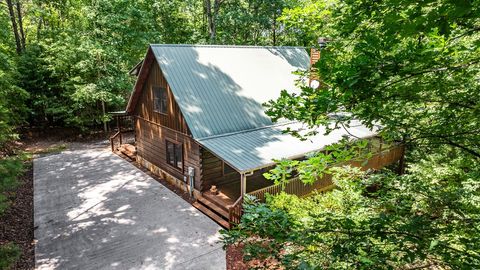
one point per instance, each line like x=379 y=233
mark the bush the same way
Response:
x=9 y=253
x=10 y=169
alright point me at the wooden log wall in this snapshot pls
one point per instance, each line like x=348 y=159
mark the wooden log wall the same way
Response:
x=153 y=129
x=212 y=171
x=173 y=119
x=151 y=145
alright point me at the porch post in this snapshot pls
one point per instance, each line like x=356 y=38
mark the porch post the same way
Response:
x=243 y=184
x=118 y=123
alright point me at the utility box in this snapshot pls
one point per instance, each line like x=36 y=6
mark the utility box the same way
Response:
x=191 y=176
x=191 y=171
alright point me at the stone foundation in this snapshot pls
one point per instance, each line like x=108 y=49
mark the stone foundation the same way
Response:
x=164 y=175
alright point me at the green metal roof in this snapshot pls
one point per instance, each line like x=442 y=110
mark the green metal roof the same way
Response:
x=220 y=89
x=257 y=148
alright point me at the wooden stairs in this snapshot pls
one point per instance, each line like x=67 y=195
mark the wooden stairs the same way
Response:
x=215 y=209
x=128 y=150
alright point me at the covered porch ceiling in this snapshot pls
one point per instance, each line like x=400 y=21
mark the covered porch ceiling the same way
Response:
x=254 y=149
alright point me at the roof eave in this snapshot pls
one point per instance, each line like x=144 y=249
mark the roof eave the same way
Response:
x=141 y=78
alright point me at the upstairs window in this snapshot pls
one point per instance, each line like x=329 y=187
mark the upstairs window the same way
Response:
x=159 y=99
x=175 y=154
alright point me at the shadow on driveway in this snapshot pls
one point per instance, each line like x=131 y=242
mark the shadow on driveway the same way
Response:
x=94 y=210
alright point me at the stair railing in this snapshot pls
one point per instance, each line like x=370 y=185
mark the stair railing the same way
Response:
x=112 y=140
x=235 y=211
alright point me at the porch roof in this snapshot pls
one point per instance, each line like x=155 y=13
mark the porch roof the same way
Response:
x=254 y=149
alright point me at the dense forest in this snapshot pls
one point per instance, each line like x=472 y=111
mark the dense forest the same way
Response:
x=66 y=62
x=414 y=68
x=411 y=66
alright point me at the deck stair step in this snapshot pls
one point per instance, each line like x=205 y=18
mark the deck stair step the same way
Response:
x=223 y=211
x=219 y=199
x=217 y=218
x=129 y=150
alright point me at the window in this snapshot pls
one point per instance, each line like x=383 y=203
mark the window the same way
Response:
x=175 y=154
x=159 y=99
x=227 y=169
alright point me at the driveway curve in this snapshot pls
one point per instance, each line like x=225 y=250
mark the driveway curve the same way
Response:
x=94 y=210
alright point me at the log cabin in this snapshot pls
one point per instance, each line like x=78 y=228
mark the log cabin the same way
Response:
x=199 y=122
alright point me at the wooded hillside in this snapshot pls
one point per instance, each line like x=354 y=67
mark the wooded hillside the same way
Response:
x=409 y=67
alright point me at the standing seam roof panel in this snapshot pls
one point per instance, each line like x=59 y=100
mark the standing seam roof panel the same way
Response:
x=251 y=150
x=220 y=89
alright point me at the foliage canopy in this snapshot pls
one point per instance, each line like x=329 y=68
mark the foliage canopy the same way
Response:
x=412 y=68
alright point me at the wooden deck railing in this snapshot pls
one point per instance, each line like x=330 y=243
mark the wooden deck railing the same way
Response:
x=235 y=211
x=124 y=123
x=382 y=157
x=113 y=138
x=295 y=186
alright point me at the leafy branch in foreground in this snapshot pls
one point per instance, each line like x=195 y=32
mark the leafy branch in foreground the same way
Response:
x=419 y=219
x=411 y=67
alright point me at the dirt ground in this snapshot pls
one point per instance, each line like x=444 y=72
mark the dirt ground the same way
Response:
x=16 y=225
x=235 y=258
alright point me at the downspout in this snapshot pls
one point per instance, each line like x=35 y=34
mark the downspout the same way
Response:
x=243 y=182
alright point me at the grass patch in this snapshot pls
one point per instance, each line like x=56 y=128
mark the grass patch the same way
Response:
x=9 y=253
x=10 y=169
x=55 y=149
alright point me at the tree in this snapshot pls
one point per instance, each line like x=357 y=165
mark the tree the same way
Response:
x=211 y=13
x=412 y=68
x=253 y=22
x=17 y=27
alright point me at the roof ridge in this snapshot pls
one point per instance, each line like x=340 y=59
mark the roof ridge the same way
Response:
x=246 y=130
x=226 y=46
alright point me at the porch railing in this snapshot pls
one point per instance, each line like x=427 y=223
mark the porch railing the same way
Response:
x=124 y=124
x=295 y=186
x=116 y=136
x=235 y=211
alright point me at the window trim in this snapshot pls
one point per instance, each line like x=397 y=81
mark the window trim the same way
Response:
x=175 y=161
x=154 y=91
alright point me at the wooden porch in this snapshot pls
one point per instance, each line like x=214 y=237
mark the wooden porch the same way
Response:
x=123 y=138
x=226 y=205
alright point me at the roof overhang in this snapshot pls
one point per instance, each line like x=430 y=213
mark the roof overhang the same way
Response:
x=136 y=69
x=141 y=79
x=256 y=149
x=118 y=113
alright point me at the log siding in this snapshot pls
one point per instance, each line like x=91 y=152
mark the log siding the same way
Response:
x=153 y=129
x=173 y=119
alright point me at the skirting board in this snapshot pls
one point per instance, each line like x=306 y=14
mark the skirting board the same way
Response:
x=168 y=177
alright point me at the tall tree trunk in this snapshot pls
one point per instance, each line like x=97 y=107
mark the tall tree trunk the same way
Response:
x=20 y=24
x=274 y=29
x=212 y=17
x=14 y=26
x=216 y=8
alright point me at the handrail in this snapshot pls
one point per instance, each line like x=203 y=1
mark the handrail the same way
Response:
x=380 y=158
x=295 y=186
x=112 y=138
x=235 y=211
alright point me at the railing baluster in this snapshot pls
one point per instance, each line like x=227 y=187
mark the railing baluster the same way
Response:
x=296 y=186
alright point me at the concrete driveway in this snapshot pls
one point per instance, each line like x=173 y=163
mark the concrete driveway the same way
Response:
x=94 y=210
